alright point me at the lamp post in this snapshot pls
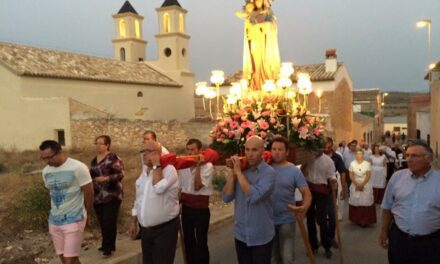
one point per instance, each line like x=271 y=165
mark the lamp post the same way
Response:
x=319 y=95
x=383 y=99
x=427 y=23
x=217 y=78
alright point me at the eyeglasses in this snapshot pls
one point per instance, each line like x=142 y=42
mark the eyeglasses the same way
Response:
x=49 y=157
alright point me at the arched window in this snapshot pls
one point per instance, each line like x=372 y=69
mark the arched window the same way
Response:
x=122 y=54
x=137 y=28
x=122 y=30
x=140 y=94
x=182 y=23
x=166 y=23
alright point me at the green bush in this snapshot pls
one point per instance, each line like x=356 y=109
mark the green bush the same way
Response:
x=218 y=182
x=30 y=208
x=3 y=168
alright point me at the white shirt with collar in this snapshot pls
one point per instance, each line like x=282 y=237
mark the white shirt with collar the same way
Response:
x=320 y=170
x=156 y=204
x=186 y=177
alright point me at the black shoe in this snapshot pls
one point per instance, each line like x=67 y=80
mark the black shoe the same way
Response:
x=328 y=253
x=334 y=244
x=107 y=254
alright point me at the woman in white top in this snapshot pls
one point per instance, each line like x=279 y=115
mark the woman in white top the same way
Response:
x=361 y=203
x=378 y=173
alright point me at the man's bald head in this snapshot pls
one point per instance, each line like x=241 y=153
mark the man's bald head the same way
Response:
x=254 y=149
x=255 y=141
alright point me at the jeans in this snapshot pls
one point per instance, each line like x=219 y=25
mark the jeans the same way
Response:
x=284 y=244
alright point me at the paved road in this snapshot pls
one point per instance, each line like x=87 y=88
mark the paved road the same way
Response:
x=359 y=244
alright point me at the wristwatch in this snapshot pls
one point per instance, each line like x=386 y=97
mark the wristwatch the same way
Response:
x=156 y=166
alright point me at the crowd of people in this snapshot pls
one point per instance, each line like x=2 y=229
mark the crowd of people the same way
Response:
x=169 y=199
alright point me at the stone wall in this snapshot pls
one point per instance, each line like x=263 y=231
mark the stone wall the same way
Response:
x=128 y=133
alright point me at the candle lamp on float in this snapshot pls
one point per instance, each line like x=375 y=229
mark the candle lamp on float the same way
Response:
x=217 y=78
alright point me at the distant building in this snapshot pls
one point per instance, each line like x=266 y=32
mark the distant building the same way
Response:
x=41 y=90
x=396 y=124
x=368 y=115
x=434 y=83
x=396 y=103
x=419 y=123
x=333 y=79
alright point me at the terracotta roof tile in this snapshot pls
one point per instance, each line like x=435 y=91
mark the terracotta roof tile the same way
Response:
x=30 y=61
x=317 y=73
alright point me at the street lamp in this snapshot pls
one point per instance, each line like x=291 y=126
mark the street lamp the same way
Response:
x=217 y=78
x=383 y=99
x=427 y=23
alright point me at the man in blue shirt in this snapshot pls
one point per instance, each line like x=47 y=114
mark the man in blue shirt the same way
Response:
x=288 y=178
x=251 y=190
x=411 y=211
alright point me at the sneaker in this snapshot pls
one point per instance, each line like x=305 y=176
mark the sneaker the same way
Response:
x=328 y=253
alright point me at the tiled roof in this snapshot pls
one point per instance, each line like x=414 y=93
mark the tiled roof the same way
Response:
x=317 y=73
x=365 y=94
x=127 y=8
x=30 y=61
x=171 y=3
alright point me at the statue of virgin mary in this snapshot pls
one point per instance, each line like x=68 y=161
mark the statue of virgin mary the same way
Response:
x=261 y=55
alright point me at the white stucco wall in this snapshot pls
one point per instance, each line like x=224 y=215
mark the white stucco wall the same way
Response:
x=117 y=98
x=28 y=121
x=423 y=123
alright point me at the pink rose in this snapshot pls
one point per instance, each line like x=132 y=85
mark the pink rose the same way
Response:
x=245 y=124
x=263 y=134
x=303 y=132
x=225 y=130
x=263 y=124
x=228 y=120
x=231 y=134
x=273 y=120
x=250 y=134
x=234 y=124
x=236 y=116
x=316 y=132
x=265 y=113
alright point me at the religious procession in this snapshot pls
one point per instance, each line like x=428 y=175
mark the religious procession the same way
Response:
x=301 y=186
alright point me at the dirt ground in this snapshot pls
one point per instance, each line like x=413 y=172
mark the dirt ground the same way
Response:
x=21 y=244
x=32 y=246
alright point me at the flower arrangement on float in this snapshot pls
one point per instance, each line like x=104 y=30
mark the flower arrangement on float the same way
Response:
x=278 y=109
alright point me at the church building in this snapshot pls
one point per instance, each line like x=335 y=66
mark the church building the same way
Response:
x=43 y=90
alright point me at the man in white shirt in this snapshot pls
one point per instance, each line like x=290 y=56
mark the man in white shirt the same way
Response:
x=71 y=193
x=156 y=208
x=319 y=173
x=196 y=183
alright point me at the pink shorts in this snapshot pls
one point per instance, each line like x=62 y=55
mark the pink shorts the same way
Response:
x=67 y=238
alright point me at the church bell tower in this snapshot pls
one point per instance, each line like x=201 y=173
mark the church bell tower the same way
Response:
x=129 y=44
x=172 y=40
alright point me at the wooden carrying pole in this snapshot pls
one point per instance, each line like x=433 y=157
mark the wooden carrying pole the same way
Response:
x=182 y=242
x=338 y=230
x=305 y=238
